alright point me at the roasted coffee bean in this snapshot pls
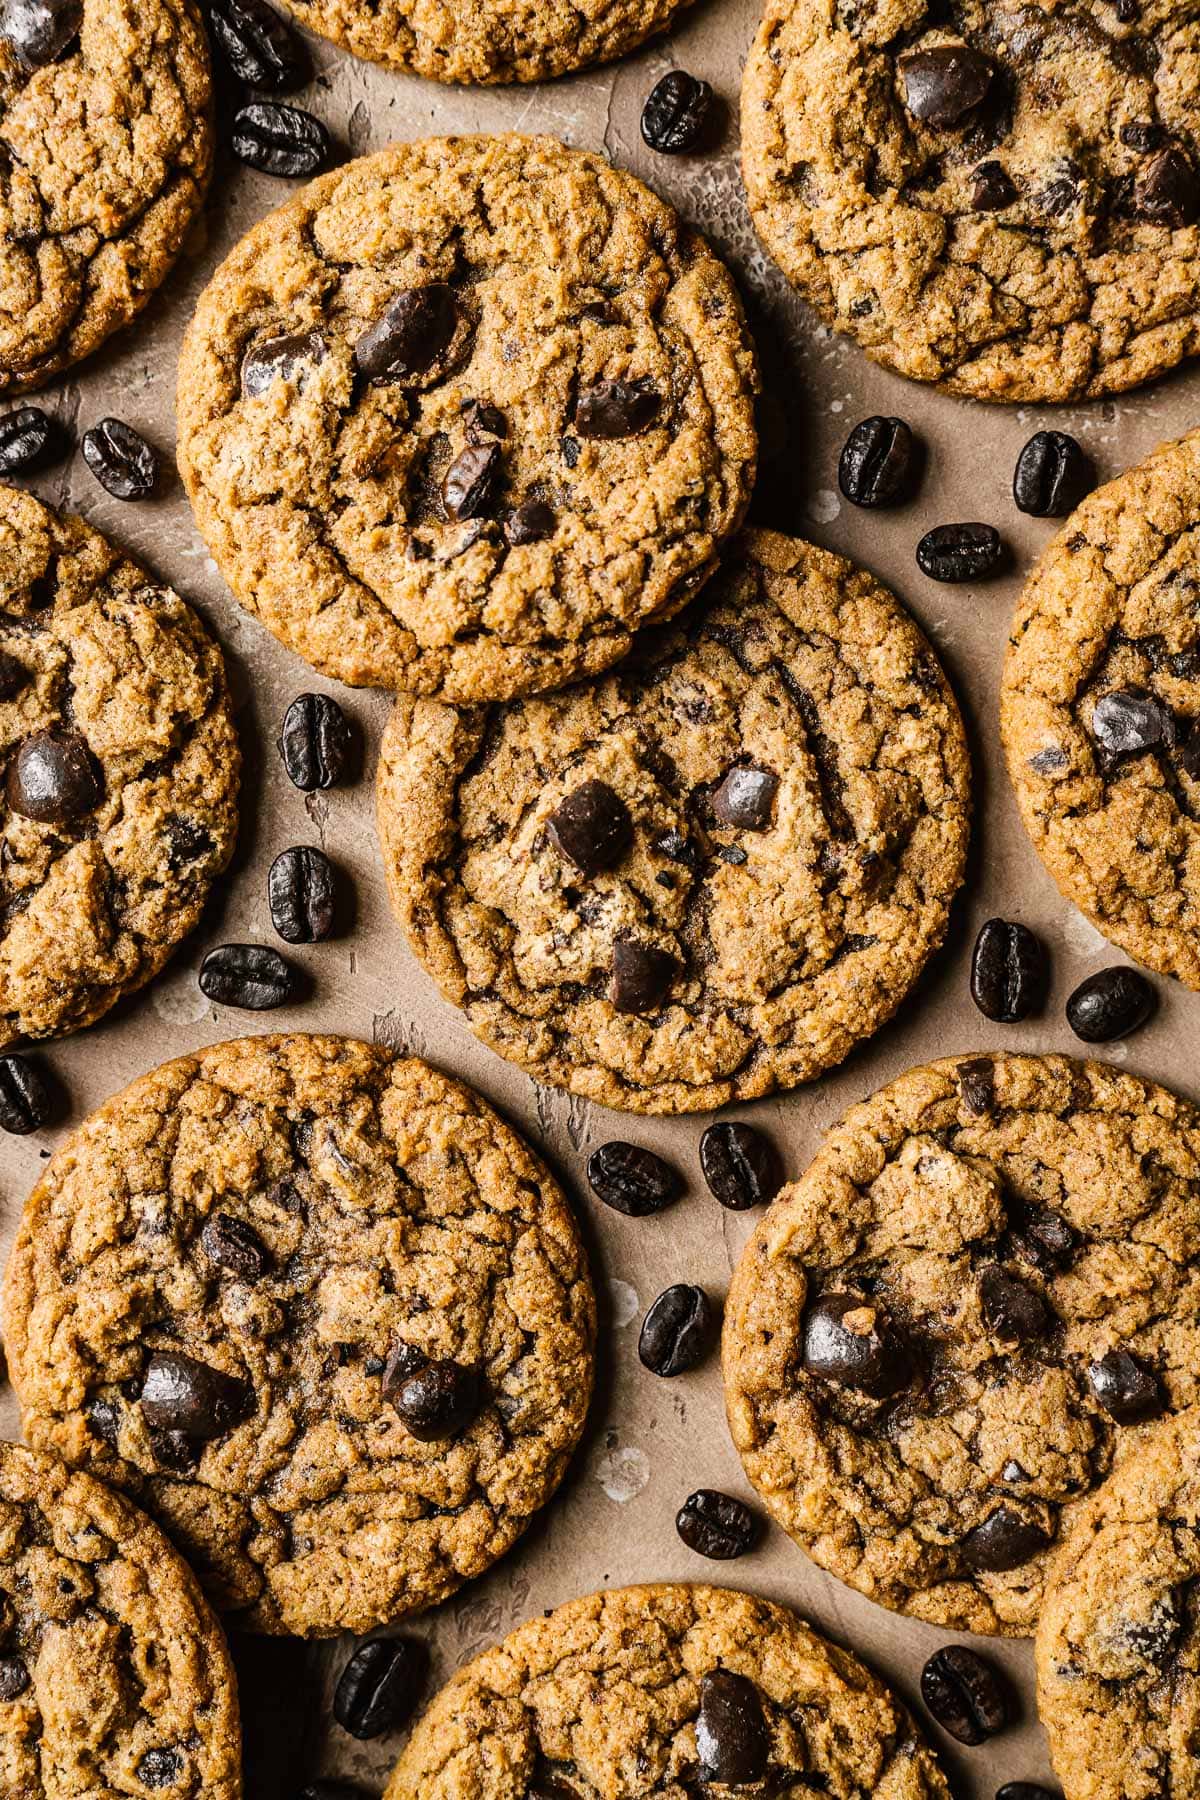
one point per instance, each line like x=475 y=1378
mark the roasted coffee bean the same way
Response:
x=54 y=778
x=26 y=1102
x=740 y=1166
x=408 y=339
x=675 y=113
x=469 y=490
x=14 y=676
x=232 y=1244
x=617 y=409
x=437 y=1400
x=380 y=1687
x=280 y=140
x=1167 y=192
x=159 y=1768
x=14 y=1677
x=677 y=1331
x=1109 y=1005
x=1005 y=1540
x=280 y=359
x=316 y=742
x=877 y=462
x=1025 y=1790
x=29 y=439
x=252 y=976
x=943 y=84
x=302 y=894
x=530 y=523
x=1008 y=971
x=1126 y=723
x=716 y=1525
x=992 y=188
x=965 y=1694
x=959 y=552
x=259 y=47
x=1126 y=1389
x=1012 y=1311
x=632 y=1180
x=124 y=464
x=849 y=1339
x=641 y=975
x=181 y=1394
x=38 y=31
x=1052 y=475
x=591 y=827
x=745 y=798
x=732 y=1739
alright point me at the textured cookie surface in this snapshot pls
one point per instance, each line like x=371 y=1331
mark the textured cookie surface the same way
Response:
x=106 y=158
x=1100 y=709
x=788 y=777
x=485 y=514
x=939 y=1338
x=118 y=802
x=604 y=1698
x=116 y=1679
x=1000 y=198
x=298 y=1214
x=1117 y=1644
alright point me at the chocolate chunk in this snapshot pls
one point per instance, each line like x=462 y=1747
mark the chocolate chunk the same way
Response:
x=591 y=827
x=302 y=895
x=1167 y=192
x=38 y=31
x=849 y=1340
x=1005 y=1540
x=1127 y=723
x=261 y=50
x=29 y=439
x=1110 y=1004
x=437 y=1400
x=1012 y=1311
x=675 y=113
x=181 y=1394
x=1050 y=760
x=965 y=1694
x=380 y=1687
x=641 y=976
x=1052 y=475
x=530 y=523
x=959 y=552
x=944 y=83
x=54 y=778
x=160 y=1768
x=1126 y=1389
x=1008 y=971
x=992 y=188
x=280 y=358
x=677 y=1331
x=977 y=1085
x=678 y=848
x=617 y=409
x=232 y=1244
x=26 y=1101
x=280 y=140
x=740 y=1166
x=745 y=798
x=1142 y=135
x=632 y=1180
x=484 y=423
x=716 y=1525
x=877 y=463
x=316 y=742
x=174 y=1451
x=549 y=1787
x=732 y=1739
x=14 y=1677
x=413 y=334
x=14 y=676
x=252 y=976
x=124 y=464
x=469 y=489
x=1045 y=1240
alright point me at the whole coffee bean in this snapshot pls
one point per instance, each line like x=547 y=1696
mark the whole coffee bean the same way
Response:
x=1126 y=1389
x=181 y=1394
x=14 y=676
x=632 y=1180
x=410 y=337
x=262 y=51
x=280 y=140
x=943 y=84
x=302 y=894
x=1052 y=475
x=469 y=490
x=29 y=439
x=849 y=1339
x=992 y=188
x=740 y=1166
x=641 y=976
x=124 y=464
x=965 y=1694
x=1110 y=1004
x=437 y=1400
x=877 y=462
x=14 y=1677
x=1008 y=971
x=716 y=1525
x=732 y=1739
x=1025 y=1790
x=316 y=742
x=26 y=1102
x=677 y=1331
x=959 y=552
x=745 y=798
x=159 y=1768
x=380 y=1687
x=1013 y=1312
x=530 y=523
x=280 y=359
x=252 y=976
x=232 y=1244
x=1167 y=192
x=54 y=778
x=617 y=409
x=591 y=827
x=38 y=31
x=1126 y=723
x=675 y=113
x=1005 y=1540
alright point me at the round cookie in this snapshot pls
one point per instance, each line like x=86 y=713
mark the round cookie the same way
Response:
x=465 y=414
x=708 y=875
x=1117 y=1643
x=939 y=1338
x=1100 y=709
x=118 y=803
x=107 y=141
x=320 y=1311
x=1003 y=200
x=115 y=1676
x=636 y=1693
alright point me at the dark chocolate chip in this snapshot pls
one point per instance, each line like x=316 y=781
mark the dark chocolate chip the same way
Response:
x=1008 y=971
x=1045 y=1240
x=483 y=423
x=716 y=1525
x=302 y=895
x=252 y=976
x=965 y=1694
x=469 y=489
x=174 y=1451
x=740 y=1166
x=959 y=552
x=437 y=1400
x=262 y=51
x=380 y=1687
x=992 y=188
x=280 y=140
x=1110 y=1004
x=181 y=1394
x=977 y=1085
x=1005 y=1540
x=1126 y=1389
x=160 y=1768
x=14 y=676
x=678 y=848
x=675 y=113
x=677 y=1331
x=1126 y=723
x=732 y=1738
x=232 y=1244
x=944 y=83
x=530 y=523
x=281 y=358
x=849 y=1340
x=1052 y=475
x=641 y=976
x=38 y=31
x=1167 y=192
x=1012 y=1311
x=617 y=409
x=14 y=1677
x=124 y=464
x=316 y=742
x=632 y=1180
x=54 y=778
x=1142 y=135
x=591 y=827
x=412 y=335
x=877 y=463
x=29 y=439
x=26 y=1101
x=745 y=798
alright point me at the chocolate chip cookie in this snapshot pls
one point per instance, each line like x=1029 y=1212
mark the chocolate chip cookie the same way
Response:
x=654 y=1693
x=320 y=1311
x=1000 y=198
x=118 y=797
x=939 y=1338
x=708 y=875
x=1100 y=709
x=1116 y=1647
x=105 y=153
x=466 y=414
x=114 y=1676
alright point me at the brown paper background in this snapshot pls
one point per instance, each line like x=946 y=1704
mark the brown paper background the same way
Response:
x=650 y=1442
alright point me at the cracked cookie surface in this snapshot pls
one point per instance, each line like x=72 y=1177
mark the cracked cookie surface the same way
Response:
x=604 y=1697
x=466 y=414
x=114 y=1673
x=1100 y=709
x=1117 y=1643
x=118 y=801
x=311 y=1218
x=939 y=1339
x=106 y=155
x=999 y=198
x=786 y=781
